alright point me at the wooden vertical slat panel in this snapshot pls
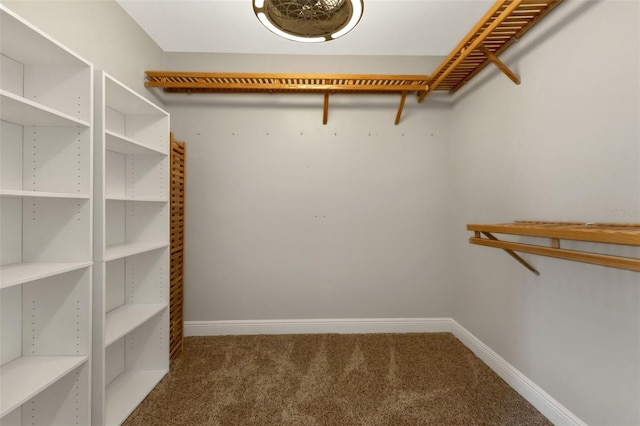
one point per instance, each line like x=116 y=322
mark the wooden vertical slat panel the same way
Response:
x=176 y=292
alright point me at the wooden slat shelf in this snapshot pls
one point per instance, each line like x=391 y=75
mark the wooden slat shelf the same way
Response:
x=503 y=24
x=200 y=82
x=255 y=82
x=607 y=233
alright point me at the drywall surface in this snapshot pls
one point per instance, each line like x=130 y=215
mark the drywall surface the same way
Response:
x=564 y=145
x=287 y=218
x=236 y=62
x=99 y=31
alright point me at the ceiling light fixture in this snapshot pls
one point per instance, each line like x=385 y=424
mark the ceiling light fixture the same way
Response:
x=310 y=21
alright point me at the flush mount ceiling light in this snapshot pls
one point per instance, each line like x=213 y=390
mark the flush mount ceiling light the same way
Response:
x=309 y=21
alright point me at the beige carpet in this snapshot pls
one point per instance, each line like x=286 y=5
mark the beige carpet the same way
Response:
x=331 y=379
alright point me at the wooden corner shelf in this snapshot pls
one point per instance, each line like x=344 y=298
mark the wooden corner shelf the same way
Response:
x=503 y=24
x=608 y=233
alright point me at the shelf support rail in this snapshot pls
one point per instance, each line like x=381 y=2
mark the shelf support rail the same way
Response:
x=555 y=250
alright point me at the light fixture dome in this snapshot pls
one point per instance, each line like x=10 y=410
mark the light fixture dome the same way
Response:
x=309 y=20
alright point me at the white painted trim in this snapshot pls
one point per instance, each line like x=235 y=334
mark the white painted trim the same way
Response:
x=315 y=326
x=557 y=413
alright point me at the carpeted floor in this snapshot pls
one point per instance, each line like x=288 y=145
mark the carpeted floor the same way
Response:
x=332 y=379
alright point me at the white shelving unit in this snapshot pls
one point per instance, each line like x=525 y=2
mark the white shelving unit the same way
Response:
x=131 y=250
x=46 y=223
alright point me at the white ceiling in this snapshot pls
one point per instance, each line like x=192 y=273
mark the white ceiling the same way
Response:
x=387 y=27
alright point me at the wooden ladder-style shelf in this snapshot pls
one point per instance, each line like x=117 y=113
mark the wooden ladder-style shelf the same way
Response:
x=326 y=84
x=503 y=24
x=608 y=233
x=176 y=283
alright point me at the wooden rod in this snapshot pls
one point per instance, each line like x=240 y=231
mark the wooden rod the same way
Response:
x=325 y=111
x=401 y=107
x=577 y=256
x=498 y=63
x=464 y=52
x=514 y=255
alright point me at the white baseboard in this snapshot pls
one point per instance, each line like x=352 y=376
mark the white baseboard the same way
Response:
x=542 y=401
x=557 y=413
x=315 y=326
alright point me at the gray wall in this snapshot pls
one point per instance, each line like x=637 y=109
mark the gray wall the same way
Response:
x=291 y=219
x=99 y=31
x=564 y=145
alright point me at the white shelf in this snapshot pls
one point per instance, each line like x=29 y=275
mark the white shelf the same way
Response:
x=132 y=211
x=124 y=145
x=127 y=391
x=24 y=43
x=125 y=100
x=126 y=318
x=124 y=250
x=46 y=160
x=20 y=273
x=18 y=110
x=25 y=377
x=16 y=193
x=148 y=200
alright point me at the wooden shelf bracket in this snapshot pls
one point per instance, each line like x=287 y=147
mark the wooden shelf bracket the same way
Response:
x=510 y=252
x=608 y=233
x=498 y=63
